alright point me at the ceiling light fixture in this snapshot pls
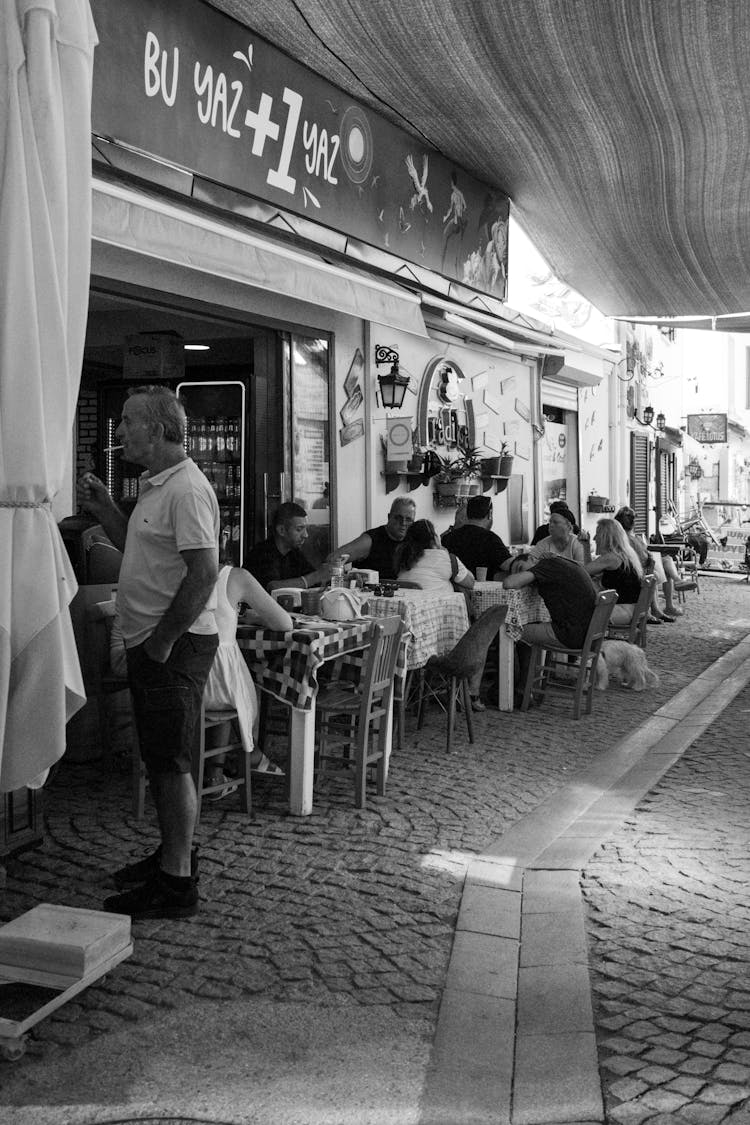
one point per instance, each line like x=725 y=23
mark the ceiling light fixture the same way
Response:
x=196 y=347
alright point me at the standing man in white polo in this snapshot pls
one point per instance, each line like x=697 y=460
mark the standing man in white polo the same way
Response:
x=165 y=600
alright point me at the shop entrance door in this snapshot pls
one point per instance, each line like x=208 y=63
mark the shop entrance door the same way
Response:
x=560 y=457
x=308 y=463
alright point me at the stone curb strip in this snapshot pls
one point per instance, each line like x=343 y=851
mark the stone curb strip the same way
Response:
x=515 y=1041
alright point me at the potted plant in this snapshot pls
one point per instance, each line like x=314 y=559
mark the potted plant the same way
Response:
x=457 y=475
x=506 y=461
x=500 y=466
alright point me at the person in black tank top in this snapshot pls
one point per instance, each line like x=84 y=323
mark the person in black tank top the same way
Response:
x=617 y=567
x=378 y=547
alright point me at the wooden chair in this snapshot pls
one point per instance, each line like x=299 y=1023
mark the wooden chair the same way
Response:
x=201 y=755
x=543 y=666
x=447 y=676
x=101 y=682
x=363 y=710
x=687 y=565
x=635 y=630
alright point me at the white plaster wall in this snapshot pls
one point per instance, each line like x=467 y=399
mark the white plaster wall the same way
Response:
x=476 y=364
x=594 y=452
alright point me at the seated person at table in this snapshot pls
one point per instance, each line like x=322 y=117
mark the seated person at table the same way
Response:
x=230 y=685
x=562 y=540
x=543 y=530
x=616 y=567
x=569 y=595
x=378 y=548
x=474 y=543
x=278 y=561
x=430 y=566
x=652 y=562
x=433 y=568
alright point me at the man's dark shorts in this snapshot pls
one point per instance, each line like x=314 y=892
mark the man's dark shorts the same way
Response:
x=167 y=700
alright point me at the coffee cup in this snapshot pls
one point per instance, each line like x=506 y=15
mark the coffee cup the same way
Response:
x=481 y=574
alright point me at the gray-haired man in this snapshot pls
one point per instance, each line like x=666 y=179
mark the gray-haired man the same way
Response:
x=165 y=600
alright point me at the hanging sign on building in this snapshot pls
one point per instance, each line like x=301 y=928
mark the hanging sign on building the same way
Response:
x=191 y=86
x=709 y=429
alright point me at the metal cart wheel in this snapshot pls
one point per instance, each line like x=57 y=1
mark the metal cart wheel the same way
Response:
x=13 y=1049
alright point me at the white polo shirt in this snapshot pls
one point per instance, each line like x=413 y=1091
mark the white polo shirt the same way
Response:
x=176 y=511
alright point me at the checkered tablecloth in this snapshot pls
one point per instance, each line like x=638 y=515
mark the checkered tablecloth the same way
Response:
x=434 y=622
x=286 y=664
x=524 y=605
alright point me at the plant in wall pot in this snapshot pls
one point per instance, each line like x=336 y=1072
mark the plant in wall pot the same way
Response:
x=506 y=461
x=500 y=466
x=458 y=476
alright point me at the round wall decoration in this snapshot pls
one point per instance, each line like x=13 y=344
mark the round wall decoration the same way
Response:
x=356 y=145
x=399 y=435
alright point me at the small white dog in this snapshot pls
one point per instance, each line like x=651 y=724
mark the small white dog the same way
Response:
x=626 y=665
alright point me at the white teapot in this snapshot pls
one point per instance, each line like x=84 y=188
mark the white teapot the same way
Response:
x=340 y=604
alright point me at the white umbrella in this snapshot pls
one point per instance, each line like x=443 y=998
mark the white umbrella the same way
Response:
x=46 y=64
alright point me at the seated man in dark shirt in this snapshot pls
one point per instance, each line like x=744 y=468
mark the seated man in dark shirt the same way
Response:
x=278 y=561
x=473 y=542
x=569 y=594
x=378 y=548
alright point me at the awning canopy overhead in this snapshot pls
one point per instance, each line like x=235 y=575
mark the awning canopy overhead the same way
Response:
x=619 y=128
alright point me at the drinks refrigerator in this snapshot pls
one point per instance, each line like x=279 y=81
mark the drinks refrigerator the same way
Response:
x=216 y=441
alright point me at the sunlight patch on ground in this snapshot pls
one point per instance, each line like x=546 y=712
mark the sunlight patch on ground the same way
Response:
x=450 y=862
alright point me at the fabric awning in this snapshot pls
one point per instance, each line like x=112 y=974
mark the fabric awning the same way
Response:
x=138 y=222
x=619 y=128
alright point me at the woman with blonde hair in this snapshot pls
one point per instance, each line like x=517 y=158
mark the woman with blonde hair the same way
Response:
x=616 y=567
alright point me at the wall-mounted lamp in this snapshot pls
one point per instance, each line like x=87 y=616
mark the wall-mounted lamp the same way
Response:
x=648 y=418
x=393 y=385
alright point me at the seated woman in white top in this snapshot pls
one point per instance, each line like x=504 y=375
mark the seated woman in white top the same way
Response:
x=424 y=562
x=230 y=685
x=562 y=539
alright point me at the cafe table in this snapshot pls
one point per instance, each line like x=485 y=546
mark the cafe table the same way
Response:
x=286 y=664
x=524 y=605
x=434 y=621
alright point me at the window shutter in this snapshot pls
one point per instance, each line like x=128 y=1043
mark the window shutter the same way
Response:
x=639 y=481
x=665 y=481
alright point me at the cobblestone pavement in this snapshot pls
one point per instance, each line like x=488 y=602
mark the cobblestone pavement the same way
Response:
x=669 y=929
x=354 y=911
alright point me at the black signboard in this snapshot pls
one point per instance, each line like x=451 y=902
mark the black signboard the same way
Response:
x=183 y=82
x=710 y=429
